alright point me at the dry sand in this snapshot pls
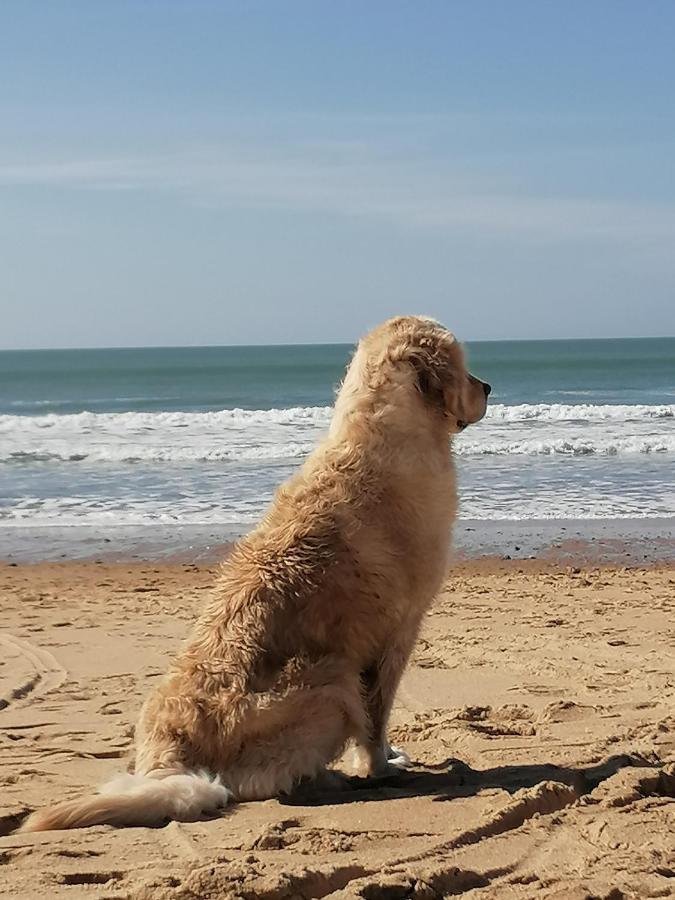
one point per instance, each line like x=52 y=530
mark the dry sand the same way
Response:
x=539 y=708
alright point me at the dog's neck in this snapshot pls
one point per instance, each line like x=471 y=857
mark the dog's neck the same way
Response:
x=384 y=411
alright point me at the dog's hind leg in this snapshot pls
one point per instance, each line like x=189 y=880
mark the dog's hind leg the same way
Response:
x=321 y=720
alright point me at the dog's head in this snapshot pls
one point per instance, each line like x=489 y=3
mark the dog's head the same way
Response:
x=422 y=363
x=440 y=375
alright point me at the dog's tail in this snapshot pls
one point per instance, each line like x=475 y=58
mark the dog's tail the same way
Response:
x=137 y=800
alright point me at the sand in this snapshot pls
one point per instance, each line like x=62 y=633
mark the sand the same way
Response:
x=539 y=709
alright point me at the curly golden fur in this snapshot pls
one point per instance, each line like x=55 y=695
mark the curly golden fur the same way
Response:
x=316 y=611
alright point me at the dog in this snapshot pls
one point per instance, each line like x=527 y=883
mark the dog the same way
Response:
x=316 y=611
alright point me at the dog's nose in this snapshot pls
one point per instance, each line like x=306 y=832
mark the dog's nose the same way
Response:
x=487 y=388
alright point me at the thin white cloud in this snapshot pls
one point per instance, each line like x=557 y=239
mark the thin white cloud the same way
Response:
x=353 y=178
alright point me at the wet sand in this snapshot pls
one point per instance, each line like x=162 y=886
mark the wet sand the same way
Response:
x=621 y=541
x=539 y=709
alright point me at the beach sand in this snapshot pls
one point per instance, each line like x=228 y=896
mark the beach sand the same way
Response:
x=539 y=709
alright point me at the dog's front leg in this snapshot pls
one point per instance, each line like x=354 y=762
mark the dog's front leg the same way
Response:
x=380 y=681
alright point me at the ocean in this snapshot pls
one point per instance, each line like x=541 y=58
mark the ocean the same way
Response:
x=94 y=441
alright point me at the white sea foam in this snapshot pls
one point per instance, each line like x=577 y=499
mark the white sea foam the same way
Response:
x=130 y=422
x=574 y=502
x=128 y=454
x=239 y=435
x=561 y=412
x=136 y=422
x=139 y=453
x=235 y=435
x=73 y=511
x=574 y=444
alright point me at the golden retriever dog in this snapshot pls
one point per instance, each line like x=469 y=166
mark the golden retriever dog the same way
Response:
x=316 y=611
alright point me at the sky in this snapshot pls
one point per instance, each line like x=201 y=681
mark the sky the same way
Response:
x=253 y=172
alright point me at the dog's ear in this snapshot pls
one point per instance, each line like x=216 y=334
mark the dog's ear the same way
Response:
x=428 y=378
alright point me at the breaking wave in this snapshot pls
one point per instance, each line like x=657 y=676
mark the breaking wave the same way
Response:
x=238 y=435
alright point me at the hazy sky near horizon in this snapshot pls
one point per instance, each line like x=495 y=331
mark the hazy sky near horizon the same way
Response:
x=221 y=172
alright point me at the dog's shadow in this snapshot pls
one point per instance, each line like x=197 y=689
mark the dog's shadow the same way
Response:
x=453 y=778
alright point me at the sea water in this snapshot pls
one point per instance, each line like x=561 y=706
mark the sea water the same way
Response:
x=201 y=436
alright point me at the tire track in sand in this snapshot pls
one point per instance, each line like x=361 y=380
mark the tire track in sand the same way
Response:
x=39 y=674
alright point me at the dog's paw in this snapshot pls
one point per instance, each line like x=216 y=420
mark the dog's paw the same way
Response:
x=379 y=761
x=398 y=758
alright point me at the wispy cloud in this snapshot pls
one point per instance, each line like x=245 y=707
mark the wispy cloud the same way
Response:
x=354 y=178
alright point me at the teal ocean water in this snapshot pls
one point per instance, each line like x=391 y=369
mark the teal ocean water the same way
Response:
x=201 y=436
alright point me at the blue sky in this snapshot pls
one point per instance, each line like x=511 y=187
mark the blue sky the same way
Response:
x=269 y=172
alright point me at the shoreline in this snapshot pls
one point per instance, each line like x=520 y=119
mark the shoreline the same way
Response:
x=588 y=541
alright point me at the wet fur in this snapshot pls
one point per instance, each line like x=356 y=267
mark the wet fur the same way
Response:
x=316 y=611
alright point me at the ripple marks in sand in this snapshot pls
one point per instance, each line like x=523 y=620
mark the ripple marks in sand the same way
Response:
x=39 y=673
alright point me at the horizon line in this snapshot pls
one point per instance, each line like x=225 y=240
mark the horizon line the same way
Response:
x=244 y=346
